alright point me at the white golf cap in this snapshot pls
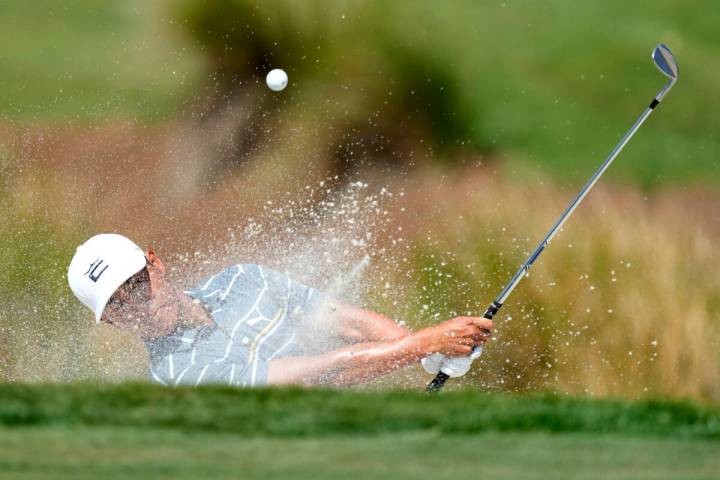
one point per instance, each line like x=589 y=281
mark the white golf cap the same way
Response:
x=100 y=266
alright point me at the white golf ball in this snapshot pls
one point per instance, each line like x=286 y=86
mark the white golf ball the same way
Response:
x=276 y=80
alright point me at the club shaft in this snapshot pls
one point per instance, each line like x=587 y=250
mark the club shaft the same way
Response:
x=524 y=269
x=522 y=272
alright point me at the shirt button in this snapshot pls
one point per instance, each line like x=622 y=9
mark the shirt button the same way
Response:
x=246 y=340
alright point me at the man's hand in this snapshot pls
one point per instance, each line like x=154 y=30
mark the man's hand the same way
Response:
x=456 y=337
x=465 y=330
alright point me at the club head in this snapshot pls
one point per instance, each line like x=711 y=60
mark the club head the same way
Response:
x=665 y=61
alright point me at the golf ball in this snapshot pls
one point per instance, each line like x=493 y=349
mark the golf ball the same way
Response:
x=276 y=80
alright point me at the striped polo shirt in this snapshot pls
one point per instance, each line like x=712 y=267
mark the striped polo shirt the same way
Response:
x=255 y=311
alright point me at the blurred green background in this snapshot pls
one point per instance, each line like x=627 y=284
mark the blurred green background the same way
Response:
x=481 y=118
x=549 y=84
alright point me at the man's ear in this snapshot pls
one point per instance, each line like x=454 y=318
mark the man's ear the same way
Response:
x=154 y=261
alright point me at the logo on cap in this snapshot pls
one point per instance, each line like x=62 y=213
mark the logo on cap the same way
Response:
x=93 y=268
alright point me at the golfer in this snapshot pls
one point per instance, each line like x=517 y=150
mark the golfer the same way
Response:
x=249 y=325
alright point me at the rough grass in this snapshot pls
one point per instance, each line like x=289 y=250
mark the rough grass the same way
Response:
x=298 y=412
x=623 y=301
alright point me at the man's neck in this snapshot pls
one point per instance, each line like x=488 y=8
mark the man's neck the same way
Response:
x=185 y=315
x=191 y=314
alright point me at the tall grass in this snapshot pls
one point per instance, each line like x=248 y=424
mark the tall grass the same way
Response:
x=624 y=300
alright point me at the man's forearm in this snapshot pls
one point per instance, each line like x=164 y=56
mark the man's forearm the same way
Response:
x=349 y=365
x=359 y=325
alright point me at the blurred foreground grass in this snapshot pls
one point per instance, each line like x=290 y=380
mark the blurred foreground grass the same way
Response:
x=311 y=412
x=150 y=453
x=124 y=431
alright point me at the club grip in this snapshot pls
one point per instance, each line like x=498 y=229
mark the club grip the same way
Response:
x=437 y=383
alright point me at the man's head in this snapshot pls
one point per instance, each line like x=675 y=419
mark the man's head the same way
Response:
x=122 y=285
x=100 y=266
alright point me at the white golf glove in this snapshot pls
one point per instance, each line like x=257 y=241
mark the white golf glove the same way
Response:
x=456 y=366
x=451 y=366
x=432 y=363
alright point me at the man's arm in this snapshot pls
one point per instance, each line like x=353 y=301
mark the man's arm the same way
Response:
x=366 y=361
x=356 y=325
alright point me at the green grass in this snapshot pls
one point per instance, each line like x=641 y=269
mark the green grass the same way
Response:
x=553 y=85
x=298 y=412
x=80 y=453
x=143 y=431
x=92 y=60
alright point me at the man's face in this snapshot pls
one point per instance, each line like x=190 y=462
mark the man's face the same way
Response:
x=147 y=304
x=130 y=306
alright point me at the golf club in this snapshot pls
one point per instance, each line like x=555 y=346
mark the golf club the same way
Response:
x=665 y=62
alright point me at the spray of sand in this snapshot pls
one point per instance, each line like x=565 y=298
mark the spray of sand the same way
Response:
x=330 y=243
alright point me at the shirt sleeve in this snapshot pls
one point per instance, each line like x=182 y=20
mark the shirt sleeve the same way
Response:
x=310 y=300
x=302 y=300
